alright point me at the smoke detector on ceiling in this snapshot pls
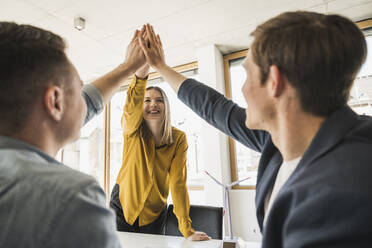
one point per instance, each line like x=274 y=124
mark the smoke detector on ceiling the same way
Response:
x=79 y=23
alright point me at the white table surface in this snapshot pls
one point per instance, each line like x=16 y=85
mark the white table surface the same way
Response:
x=140 y=240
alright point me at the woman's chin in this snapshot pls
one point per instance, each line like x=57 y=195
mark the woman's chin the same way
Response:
x=153 y=118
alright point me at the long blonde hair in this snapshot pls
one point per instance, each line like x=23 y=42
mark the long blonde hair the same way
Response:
x=167 y=137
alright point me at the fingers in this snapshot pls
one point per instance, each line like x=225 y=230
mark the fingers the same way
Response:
x=204 y=236
x=146 y=39
x=159 y=40
x=151 y=46
x=143 y=45
x=135 y=35
x=148 y=34
x=151 y=33
x=155 y=39
x=143 y=32
x=200 y=236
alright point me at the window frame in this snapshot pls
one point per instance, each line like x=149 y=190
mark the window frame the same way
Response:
x=232 y=151
x=364 y=24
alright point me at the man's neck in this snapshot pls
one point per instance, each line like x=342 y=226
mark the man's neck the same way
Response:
x=38 y=137
x=293 y=133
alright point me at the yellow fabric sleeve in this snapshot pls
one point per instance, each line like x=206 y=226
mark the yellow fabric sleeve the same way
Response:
x=178 y=188
x=133 y=108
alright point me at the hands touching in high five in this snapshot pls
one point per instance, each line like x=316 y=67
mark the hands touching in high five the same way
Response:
x=153 y=51
x=135 y=62
x=152 y=47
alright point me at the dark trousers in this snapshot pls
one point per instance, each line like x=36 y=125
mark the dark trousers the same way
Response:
x=156 y=227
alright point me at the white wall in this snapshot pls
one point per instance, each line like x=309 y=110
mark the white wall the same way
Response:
x=213 y=142
x=244 y=215
x=215 y=148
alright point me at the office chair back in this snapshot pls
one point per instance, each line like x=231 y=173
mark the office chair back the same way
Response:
x=204 y=218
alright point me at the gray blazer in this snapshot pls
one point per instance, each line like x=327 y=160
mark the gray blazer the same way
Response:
x=327 y=201
x=44 y=203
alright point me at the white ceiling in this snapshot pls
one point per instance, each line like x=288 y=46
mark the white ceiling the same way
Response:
x=184 y=25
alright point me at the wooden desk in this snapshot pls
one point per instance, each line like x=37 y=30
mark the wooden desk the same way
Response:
x=139 y=240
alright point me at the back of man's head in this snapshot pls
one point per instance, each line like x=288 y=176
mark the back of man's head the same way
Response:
x=31 y=59
x=319 y=54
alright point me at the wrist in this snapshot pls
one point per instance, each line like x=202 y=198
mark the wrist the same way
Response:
x=126 y=68
x=162 y=67
x=142 y=77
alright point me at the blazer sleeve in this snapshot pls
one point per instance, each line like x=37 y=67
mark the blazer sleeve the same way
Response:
x=178 y=188
x=221 y=113
x=133 y=108
x=93 y=100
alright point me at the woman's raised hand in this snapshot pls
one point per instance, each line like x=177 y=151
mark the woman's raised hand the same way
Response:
x=152 y=47
x=134 y=57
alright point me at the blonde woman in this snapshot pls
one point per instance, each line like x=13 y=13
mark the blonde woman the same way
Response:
x=154 y=161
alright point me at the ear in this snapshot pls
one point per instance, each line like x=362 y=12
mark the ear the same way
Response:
x=53 y=100
x=277 y=81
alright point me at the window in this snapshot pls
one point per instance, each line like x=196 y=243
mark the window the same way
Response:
x=243 y=161
x=116 y=135
x=86 y=154
x=361 y=93
x=184 y=119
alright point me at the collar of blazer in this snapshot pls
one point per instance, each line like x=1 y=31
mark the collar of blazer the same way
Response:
x=331 y=133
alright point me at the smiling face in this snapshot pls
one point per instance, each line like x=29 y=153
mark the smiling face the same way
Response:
x=153 y=107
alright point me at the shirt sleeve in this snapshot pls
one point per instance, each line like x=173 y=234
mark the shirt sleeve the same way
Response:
x=178 y=188
x=221 y=113
x=94 y=101
x=133 y=108
x=84 y=221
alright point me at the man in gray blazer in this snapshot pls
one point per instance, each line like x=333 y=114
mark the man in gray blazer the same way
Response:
x=313 y=186
x=43 y=105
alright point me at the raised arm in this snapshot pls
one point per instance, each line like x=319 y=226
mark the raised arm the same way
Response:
x=133 y=108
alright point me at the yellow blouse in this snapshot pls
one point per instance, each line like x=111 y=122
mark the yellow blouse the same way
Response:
x=147 y=173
